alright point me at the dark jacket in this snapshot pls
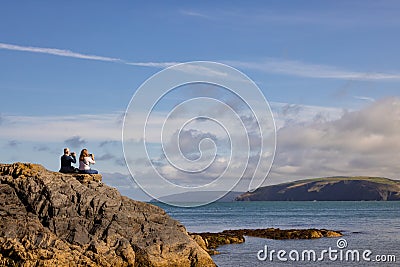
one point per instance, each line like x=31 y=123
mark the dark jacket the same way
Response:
x=66 y=162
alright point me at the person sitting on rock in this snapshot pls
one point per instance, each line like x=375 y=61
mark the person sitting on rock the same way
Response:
x=85 y=160
x=66 y=160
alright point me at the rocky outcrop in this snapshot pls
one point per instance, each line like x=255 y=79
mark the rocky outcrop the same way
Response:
x=54 y=219
x=86 y=178
x=281 y=234
x=329 y=189
x=211 y=241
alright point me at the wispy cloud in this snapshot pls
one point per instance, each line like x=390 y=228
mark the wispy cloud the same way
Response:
x=75 y=142
x=56 y=128
x=108 y=142
x=56 y=52
x=194 y=14
x=250 y=17
x=365 y=98
x=13 y=143
x=106 y=156
x=271 y=65
x=69 y=53
x=152 y=64
x=325 y=17
x=302 y=69
x=41 y=148
x=292 y=114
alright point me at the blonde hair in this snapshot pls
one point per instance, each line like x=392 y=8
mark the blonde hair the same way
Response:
x=84 y=153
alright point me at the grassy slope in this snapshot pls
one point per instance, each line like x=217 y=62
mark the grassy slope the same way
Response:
x=299 y=189
x=379 y=180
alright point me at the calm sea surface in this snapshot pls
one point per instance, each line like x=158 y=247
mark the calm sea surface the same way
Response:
x=373 y=226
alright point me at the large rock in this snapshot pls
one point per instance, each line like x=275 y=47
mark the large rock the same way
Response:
x=52 y=219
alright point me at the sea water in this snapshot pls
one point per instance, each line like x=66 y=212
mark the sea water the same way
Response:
x=367 y=226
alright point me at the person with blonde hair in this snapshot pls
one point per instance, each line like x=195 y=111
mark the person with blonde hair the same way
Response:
x=85 y=160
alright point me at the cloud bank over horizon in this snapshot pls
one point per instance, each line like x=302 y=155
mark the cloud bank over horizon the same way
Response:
x=312 y=141
x=361 y=142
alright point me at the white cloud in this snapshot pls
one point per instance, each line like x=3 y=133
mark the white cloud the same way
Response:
x=259 y=16
x=271 y=65
x=56 y=52
x=357 y=130
x=75 y=142
x=152 y=64
x=69 y=53
x=107 y=129
x=206 y=71
x=59 y=128
x=362 y=142
x=309 y=70
x=288 y=114
x=194 y=14
x=365 y=98
x=312 y=141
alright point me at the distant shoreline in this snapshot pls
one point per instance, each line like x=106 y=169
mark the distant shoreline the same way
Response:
x=329 y=189
x=317 y=189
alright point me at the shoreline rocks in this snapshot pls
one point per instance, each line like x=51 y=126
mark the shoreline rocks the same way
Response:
x=54 y=219
x=211 y=241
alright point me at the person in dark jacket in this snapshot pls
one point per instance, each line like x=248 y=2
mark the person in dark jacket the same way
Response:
x=66 y=160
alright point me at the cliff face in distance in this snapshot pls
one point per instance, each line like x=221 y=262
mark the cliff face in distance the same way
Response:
x=53 y=219
x=329 y=189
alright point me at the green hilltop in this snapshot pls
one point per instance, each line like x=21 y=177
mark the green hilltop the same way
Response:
x=380 y=180
x=338 y=188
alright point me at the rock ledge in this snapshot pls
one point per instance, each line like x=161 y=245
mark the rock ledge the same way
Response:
x=211 y=241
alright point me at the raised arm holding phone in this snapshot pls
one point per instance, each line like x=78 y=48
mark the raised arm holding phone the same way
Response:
x=85 y=160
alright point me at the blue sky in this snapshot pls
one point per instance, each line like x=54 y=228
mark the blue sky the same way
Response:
x=68 y=70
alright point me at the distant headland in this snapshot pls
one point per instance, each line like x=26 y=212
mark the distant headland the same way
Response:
x=328 y=189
